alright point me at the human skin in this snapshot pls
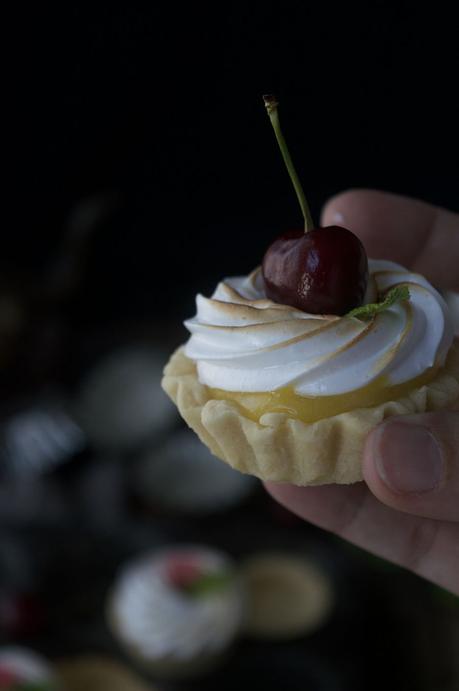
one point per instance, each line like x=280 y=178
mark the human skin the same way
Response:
x=407 y=508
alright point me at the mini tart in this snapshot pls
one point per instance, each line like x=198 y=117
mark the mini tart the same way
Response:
x=288 y=596
x=168 y=629
x=94 y=672
x=279 y=448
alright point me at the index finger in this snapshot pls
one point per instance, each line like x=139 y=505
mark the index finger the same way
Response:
x=408 y=231
x=423 y=545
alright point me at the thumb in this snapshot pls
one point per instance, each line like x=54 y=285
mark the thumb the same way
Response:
x=411 y=463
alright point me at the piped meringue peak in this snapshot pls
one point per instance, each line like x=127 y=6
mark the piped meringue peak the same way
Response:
x=241 y=341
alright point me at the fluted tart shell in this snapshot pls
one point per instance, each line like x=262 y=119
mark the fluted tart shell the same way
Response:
x=280 y=448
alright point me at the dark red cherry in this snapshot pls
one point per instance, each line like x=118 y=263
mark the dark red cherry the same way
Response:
x=318 y=270
x=182 y=571
x=322 y=271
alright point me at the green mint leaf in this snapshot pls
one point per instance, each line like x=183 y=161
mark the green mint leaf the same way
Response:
x=395 y=294
x=208 y=583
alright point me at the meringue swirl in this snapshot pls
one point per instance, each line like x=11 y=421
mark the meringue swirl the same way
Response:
x=241 y=341
x=160 y=622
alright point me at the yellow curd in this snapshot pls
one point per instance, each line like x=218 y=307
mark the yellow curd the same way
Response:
x=313 y=408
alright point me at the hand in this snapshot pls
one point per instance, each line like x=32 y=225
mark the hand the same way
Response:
x=407 y=510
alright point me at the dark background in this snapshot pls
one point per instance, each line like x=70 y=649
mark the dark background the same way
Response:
x=158 y=109
x=141 y=167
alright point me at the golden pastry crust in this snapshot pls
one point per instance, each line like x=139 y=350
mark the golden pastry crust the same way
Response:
x=95 y=672
x=288 y=595
x=279 y=448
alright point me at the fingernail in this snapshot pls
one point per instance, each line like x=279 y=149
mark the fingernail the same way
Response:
x=408 y=458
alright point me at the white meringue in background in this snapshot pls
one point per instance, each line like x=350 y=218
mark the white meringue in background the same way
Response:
x=243 y=342
x=182 y=475
x=121 y=402
x=157 y=621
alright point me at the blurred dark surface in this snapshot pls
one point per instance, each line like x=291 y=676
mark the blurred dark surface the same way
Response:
x=143 y=169
x=159 y=108
x=387 y=627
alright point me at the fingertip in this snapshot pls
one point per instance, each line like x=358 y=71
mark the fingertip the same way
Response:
x=370 y=453
x=343 y=208
x=408 y=464
x=375 y=452
x=406 y=457
x=389 y=225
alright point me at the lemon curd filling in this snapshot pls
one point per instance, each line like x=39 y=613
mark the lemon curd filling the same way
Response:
x=313 y=408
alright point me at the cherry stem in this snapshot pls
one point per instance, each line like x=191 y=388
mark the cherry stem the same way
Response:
x=271 y=104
